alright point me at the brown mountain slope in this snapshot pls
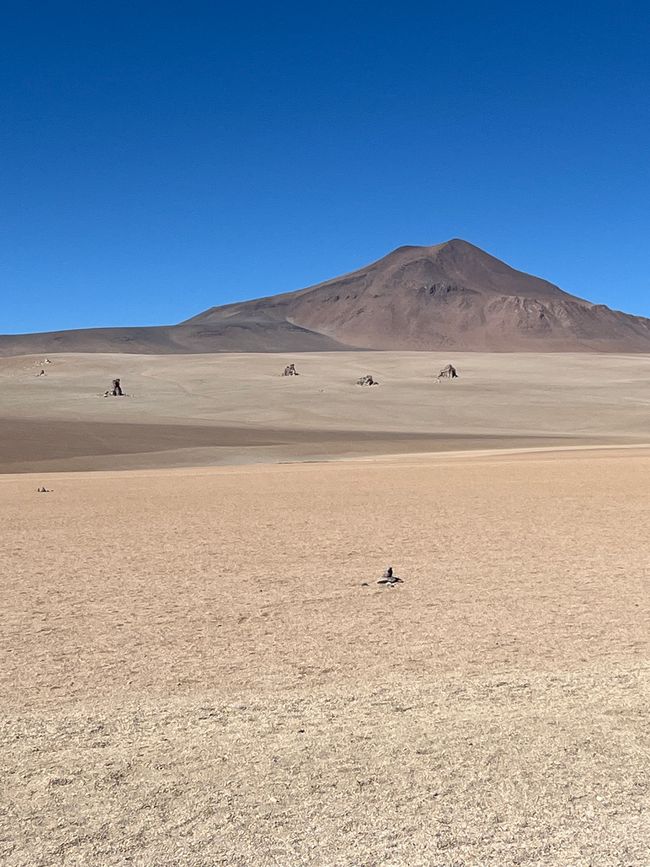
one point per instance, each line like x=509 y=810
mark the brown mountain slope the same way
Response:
x=452 y=295
x=241 y=334
x=449 y=296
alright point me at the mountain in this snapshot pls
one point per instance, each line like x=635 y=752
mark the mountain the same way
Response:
x=449 y=296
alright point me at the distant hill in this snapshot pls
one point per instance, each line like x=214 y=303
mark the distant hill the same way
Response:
x=449 y=296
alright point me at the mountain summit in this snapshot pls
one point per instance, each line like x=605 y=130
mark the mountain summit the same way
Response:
x=452 y=295
x=448 y=296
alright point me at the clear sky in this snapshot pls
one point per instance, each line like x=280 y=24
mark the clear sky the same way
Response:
x=160 y=158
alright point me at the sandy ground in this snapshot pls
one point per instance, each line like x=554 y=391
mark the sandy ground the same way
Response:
x=228 y=409
x=192 y=672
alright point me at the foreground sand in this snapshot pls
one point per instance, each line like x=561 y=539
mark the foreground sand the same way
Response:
x=193 y=674
x=223 y=409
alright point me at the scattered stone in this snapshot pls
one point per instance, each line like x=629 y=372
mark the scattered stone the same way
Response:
x=115 y=390
x=448 y=372
x=290 y=370
x=389 y=578
x=367 y=380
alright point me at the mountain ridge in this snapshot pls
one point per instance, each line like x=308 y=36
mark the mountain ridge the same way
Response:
x=445 y=296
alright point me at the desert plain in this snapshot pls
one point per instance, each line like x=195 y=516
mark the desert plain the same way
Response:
x=197 y=666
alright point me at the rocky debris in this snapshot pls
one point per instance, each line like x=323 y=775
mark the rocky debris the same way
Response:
x=290 y=370
x=448 y=372
x=389 y=578
x=44 y=490
x=367 y=380
x=115 y=390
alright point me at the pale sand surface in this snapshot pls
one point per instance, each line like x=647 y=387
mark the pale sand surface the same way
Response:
x=203 y=410
x=192 y=674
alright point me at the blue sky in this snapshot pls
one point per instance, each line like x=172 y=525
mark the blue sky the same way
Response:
x=160 y=158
